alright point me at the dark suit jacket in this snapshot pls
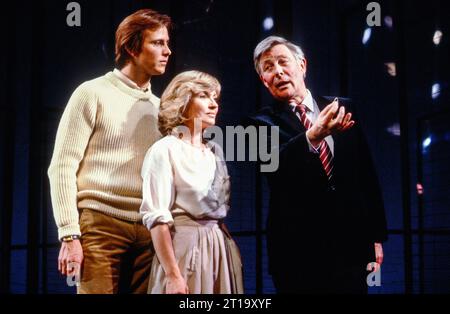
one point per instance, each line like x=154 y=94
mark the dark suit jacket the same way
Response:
x=315 y=225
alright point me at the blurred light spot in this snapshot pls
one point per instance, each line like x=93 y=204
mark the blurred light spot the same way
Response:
x=426 y=142
x=391 y=68
x=437 y=37
x=435 y=90
x=388 y=21
x=366 y=36
x=394 y=129
x=209 y=6
x=105 y=51
x=419 y=188
x=268 y=23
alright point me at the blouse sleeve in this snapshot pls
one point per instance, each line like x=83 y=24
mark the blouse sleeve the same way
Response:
x=158 y=187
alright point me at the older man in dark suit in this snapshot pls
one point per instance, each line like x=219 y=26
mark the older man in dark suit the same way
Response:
x=326 y=220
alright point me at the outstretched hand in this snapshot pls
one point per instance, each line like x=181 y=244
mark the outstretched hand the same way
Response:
x=331 y=120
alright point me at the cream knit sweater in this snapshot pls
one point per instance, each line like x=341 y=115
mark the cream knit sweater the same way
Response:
x=104 y=133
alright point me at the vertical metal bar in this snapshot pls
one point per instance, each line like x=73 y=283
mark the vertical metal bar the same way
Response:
x=259 y=219
x=8 y=133
x=35 y=160
x=420 y=205
x=45 y=190
x=404 y=143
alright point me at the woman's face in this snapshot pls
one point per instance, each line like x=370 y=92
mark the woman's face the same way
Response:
x=202 y=108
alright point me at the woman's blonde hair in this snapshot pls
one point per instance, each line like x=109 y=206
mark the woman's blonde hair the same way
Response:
x=178 y=94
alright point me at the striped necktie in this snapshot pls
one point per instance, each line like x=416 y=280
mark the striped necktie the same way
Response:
x=325 y=155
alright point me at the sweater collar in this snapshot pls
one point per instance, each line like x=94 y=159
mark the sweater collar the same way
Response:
x=126 y=88
x=130 y=82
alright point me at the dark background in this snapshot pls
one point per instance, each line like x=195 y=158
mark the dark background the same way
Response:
x=407 y=122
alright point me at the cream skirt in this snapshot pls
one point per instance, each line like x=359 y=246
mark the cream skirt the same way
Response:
x=209 y=260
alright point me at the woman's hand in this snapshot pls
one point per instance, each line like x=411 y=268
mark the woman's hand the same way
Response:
x=162 y=242
x=176 y=285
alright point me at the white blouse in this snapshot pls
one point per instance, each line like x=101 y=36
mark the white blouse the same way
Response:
x=177 y=177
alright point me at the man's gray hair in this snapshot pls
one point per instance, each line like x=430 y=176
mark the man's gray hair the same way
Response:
x=269 y=42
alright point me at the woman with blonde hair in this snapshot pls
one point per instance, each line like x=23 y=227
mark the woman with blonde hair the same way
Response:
x=186 y=193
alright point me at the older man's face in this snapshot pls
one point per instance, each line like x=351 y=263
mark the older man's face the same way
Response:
x=282 y=74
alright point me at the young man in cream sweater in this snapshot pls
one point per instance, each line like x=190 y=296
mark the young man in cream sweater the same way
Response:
x=96 y=188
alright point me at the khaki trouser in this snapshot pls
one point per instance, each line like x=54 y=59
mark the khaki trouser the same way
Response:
x=117 y=254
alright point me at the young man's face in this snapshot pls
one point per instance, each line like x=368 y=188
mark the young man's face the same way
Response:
x=281 y=73
x=155 y=51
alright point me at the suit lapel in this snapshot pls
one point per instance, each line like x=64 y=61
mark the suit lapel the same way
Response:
x=288 y=119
